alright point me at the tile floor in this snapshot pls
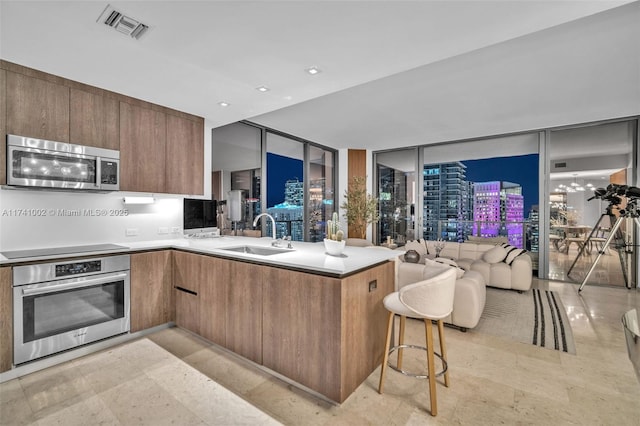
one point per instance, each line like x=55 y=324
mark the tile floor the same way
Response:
x=607 y=271
x=493 y=381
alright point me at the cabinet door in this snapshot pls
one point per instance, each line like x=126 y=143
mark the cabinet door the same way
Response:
x=244 y=311
x=142 y=149
x=185 y=156
x=94 y=120
x=302 y=329
x=151 y=289
x=3 y=127
x=213 y=299
x=6 y=320
x=37 y=108
x=187 y=270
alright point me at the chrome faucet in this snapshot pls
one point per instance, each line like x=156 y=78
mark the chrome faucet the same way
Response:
x=273 y=223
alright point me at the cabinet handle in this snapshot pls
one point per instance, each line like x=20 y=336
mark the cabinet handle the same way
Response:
x=186 y=290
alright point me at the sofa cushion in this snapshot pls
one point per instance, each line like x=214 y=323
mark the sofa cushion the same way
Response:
x=495 y=255
x=452 y=263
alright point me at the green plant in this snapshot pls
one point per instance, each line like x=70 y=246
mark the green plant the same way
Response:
x=333 y=228
x=360 y=208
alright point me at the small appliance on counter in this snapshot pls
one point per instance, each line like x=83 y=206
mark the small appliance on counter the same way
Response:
x=200 y=219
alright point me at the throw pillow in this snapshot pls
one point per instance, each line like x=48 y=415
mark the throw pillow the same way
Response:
x=452 y=263
x=418 y=246
x=494 y=255
x=511 y=256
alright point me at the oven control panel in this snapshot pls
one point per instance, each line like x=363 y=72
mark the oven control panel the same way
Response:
x=67 y=269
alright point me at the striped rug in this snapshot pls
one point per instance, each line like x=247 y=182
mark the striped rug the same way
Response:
x=536 y=317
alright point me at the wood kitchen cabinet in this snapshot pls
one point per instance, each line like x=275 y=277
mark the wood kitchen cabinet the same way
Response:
x=201 y=284
x=3 y=126
x=244 y=310
x=37 y=108
x=214 y=288
x=185 y=156
x=325 y=333
x=143 y=134
x=94 y=120
x=302 y=314
x=152 y=301
x=6 y=320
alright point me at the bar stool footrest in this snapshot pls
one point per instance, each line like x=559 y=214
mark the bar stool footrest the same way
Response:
x=417 y=376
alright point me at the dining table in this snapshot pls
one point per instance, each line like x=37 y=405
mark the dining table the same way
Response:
x=570 y=234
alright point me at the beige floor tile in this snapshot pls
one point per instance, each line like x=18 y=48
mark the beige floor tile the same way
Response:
x=209 y=400
x=141 y=401
x=90 y=411
x=11 y=390
x=53 y=387
x=15 y=411
x=229 y=371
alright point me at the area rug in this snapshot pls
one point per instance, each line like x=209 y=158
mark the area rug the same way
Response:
x=536 y=317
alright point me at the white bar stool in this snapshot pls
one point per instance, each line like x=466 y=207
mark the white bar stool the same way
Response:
x=430 y=299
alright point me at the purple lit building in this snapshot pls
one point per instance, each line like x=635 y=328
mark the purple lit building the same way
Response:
x=498 y=209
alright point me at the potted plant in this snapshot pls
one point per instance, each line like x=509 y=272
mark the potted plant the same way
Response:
x=361 y=209
x=335 y=242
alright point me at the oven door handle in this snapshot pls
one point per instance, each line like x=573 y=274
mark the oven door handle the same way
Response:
x=78 y=284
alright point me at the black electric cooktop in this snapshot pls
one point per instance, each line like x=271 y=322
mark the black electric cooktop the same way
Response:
x=56 y=251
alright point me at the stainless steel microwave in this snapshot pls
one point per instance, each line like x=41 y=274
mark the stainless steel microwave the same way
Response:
x=48 y=164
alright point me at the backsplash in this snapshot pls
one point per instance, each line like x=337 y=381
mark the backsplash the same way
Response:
x=38 y=219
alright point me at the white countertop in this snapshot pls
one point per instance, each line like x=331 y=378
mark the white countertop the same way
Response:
x=304 y=256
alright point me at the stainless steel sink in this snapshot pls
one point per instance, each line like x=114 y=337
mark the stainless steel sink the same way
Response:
x=261 y=251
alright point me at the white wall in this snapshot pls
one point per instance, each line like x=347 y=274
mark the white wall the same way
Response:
x=38 y=218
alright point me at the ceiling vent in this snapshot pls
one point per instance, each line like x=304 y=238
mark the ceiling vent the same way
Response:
x=121 y=23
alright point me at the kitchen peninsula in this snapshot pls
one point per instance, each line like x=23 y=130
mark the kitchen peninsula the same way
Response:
x=314 y=319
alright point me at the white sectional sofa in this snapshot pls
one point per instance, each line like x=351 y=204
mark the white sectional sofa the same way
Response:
x=499 y=267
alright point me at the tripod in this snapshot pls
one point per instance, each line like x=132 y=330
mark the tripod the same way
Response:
x=630 y=213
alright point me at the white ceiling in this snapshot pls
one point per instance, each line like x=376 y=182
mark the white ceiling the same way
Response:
x=393 y=74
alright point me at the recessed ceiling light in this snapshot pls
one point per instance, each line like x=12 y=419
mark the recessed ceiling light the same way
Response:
x=262 y=89
x=224 y=104
x=313 y=70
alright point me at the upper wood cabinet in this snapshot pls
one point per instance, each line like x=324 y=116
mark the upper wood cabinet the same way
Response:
x=94 y=120
x=152 y=300
x=6 y=320
x=37 y=108
x=142 y=149
x=3 y=126
x=185 y=156
x=161 y=149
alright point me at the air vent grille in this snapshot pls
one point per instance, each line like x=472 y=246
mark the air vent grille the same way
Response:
x=121 y=23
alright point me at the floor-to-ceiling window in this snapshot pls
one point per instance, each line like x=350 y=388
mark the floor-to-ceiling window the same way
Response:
x=478 y=188
x=396 y=190
x=321 y=191
x=586 y=162
x=285 y=186
x=258 y=170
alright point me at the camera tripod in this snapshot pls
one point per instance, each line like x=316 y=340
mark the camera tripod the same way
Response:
x=615 y=235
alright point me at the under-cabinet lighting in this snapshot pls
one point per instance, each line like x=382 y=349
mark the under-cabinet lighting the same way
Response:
x=138 y=200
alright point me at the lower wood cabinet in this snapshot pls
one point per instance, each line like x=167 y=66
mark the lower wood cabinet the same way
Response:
x=244 y=310
x=152 y=301
x=324 y=333
x=6 y=320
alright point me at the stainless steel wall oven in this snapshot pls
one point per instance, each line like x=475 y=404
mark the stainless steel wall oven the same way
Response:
x=62 y=305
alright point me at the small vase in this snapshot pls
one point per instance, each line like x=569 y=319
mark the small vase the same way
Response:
x=333 y=247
